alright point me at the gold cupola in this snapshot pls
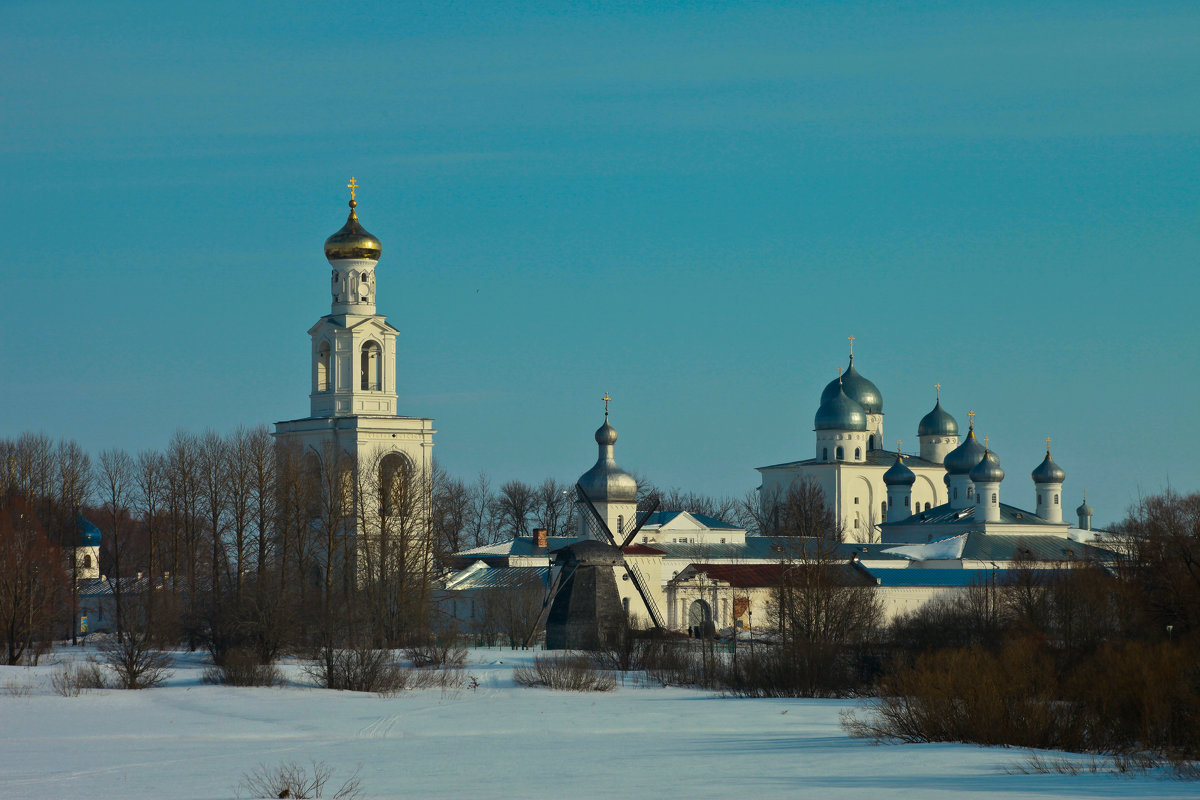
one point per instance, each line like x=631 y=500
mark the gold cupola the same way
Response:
x=352 y=241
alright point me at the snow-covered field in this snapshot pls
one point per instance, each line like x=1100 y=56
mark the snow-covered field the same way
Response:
x=191 y=740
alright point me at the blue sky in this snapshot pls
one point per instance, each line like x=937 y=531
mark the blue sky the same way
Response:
x=690 y=206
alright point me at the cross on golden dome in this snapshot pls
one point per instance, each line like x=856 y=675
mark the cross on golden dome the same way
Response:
x=352 y=186
x=606 y=400
x=898 y=443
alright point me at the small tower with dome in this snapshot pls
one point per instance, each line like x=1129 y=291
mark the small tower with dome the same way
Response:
x=958 y=463
x=937 y=432
x=863 y=392
x=612 y=490
x=899 y=480
x=986 y=476
x=1048 y=480
x=1085 y=513
x=841 y=427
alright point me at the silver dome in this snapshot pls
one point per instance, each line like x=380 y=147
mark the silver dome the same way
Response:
x=1048 y=471
x=840 y=413
x=898 y=474
x=937 y=423
x=961 y=459
x=857 y=388
x=1085 y=510
x=605 y=481
x=987 y=470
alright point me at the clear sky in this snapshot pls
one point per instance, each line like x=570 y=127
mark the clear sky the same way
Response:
x=688 y=205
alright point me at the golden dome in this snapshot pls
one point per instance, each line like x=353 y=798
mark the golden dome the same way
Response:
x=352 y=241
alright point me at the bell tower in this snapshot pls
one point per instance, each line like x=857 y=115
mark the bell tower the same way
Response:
x=353 y=400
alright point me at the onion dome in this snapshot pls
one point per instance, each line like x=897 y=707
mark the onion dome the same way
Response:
x=1084 y=509
x=857 y=388
x=352 y=241
x=605 y=481
x=961 y=459
x=898 y=474
x=1048 y=471
x=937 y=423
x=987 y=470
x=88 y=534
x=840 y=413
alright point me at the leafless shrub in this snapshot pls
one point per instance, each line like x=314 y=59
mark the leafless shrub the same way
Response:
x=14 y=689
x=242 y=667
x=73 y=679
x=566 y=673
x=135 y=663
x=293 y=780
x=358 y=669
x=437 y=653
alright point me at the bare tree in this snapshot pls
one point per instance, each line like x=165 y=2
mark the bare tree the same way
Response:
x=32 y=581
x=115 y=479
x=74 y=488
x=150 y=483
x=515 y=505
x=481 y=525
x=554 y=508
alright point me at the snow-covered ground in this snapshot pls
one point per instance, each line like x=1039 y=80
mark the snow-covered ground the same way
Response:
x=191 y=740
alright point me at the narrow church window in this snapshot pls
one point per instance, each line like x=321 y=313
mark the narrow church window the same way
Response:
x=372 y=366
x=839 y=453
x=857 y=453
x=993 y=497
x=1055 y=499
x=883 y=508
x=625 y=605
x=620 y=523
x=825 y=454
x=955 y=492
x=1039 y=499
x=323 y=367
x=856 y=501
x=927 y=506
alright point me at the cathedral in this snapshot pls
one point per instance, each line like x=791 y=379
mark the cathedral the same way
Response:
x=880 y=495
x=353 y=422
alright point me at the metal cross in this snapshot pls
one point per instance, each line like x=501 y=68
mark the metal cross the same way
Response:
x=898 y=443
x=985 y=443
x=1047 y=445
x=352 y=186
x=938 y=386
x=606 y=400
x=971 y=414
x=851 y=338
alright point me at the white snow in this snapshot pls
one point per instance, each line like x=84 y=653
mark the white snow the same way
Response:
x=191 y=740
x=950 y=548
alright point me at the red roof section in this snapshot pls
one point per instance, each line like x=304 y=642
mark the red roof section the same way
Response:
x=639 y=549
x=743 y=575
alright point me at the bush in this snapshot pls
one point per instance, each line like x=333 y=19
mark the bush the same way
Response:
x=73 y=679
x=437 y=653
x=293 y=780
x=566 y=673
x=134 y=662
x=242 y=667
x=358 y=669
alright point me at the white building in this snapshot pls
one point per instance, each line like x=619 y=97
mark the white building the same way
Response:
x=353 y=422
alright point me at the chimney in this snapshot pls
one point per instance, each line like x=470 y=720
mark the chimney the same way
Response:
x=539 y=537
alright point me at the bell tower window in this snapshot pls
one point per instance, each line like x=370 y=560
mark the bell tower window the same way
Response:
x=839 y=454
x=323 y=367
x=372 y=367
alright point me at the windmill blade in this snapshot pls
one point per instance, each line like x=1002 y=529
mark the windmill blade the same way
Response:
x=560 y=580
x=634 y=534
x=596 y=515
x=635 y=575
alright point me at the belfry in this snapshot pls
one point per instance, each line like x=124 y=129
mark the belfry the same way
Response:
x=353 y=427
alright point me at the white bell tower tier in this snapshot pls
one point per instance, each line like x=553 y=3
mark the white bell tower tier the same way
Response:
x=353 y=397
